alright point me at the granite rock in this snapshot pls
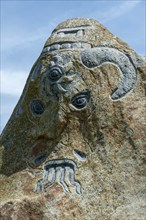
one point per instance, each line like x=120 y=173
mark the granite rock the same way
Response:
x=74 y=146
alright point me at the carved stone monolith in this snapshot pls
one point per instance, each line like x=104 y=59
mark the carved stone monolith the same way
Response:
x=74 y=145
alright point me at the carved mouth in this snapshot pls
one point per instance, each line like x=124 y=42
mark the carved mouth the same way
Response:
x=64 y=169
x=70 y=45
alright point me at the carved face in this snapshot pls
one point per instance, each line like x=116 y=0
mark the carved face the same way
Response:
x=60 y=101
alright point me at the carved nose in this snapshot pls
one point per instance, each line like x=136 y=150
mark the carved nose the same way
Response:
x=64 y=84
x=67 y=79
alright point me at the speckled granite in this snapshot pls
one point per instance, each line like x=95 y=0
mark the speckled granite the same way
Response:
x=74 y=147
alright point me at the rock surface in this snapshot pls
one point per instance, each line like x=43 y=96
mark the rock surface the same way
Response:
x=74 y=147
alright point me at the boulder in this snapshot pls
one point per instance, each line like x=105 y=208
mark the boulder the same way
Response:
x=74 y=146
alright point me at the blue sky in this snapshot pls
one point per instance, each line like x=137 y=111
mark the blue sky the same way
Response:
x=25 y=26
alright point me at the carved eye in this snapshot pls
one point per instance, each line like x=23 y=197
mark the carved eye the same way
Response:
x=37 y=107
x=55 y=73
x=40 y=159
x=79 y=155
x=80 y=101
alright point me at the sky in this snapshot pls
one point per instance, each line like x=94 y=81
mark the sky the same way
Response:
x=26 y=24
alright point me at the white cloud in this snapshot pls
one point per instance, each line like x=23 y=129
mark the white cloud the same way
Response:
x=118 y=10
x=22 y=38
x=12 y=83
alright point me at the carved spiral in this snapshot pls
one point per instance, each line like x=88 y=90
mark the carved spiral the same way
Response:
x=37 y=107
x=55 y=73
x=80 y=101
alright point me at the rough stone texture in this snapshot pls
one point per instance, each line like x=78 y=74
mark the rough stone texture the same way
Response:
x=70 y=150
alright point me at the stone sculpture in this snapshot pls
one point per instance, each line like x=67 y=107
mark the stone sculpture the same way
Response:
x=74 y=117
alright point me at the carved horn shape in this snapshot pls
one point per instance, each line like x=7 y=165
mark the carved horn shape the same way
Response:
x=95 y=57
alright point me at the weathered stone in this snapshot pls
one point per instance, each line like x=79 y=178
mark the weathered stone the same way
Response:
x=74 y=145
